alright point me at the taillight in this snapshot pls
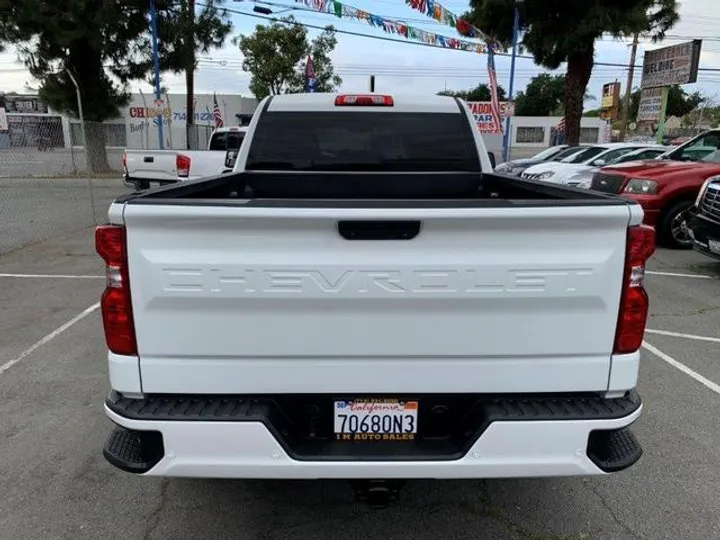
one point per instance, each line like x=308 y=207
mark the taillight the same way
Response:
x=124 y=162
x=115 y=305
x=363 y=100
x=182 y=164
x=634 y=300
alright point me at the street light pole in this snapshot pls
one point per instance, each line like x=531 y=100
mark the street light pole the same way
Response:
x=516 y=32
x=156 y=69
x=88 y=165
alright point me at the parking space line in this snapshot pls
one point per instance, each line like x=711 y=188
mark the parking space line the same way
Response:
x=7 y=365
x=674 y=274
x=49 y=276
x=682 y=367
x=684 y=336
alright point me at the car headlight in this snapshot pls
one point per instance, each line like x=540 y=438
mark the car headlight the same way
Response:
x=703 y=189
x=544 y=175
x=640 y=186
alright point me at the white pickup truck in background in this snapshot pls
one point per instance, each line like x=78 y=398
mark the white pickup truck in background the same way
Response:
x=141 y=167
x=363 y=299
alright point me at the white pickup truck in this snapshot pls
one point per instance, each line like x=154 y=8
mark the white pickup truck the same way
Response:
x=361 y=299
x=141 y=167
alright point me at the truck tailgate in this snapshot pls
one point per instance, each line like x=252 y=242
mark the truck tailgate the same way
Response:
x=231 y=299
x=151 y=164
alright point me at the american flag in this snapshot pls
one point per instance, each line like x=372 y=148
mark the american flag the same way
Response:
x=560 y=127
x=217 y=115
x=494 y=101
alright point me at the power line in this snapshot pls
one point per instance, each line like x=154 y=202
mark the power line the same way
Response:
x=416 y=43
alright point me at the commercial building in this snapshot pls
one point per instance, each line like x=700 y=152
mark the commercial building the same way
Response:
x=138 y=125
x=30 y=123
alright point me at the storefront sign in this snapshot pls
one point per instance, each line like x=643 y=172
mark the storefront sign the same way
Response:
x=650 y=105
x=168 y=114
x=610 y=95
x=24 y=104
x=482 y=111
x=677 y=64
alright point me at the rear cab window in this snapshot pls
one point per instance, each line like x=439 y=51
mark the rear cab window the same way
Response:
x=226 y=140
x=361 y=141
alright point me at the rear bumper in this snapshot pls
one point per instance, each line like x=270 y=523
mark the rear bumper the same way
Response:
x=518 y=438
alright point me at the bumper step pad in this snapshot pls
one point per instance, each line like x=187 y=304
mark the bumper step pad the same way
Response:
x=613 y=451
x=134 y=451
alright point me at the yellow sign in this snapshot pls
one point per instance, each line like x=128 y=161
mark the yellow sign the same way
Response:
x=610 y=96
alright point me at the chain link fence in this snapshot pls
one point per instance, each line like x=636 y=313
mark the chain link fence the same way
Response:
x=48 y=186
x=52 y=183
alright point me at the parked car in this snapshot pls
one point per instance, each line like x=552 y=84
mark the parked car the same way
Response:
x=666 y=187
x=554 y=153
x=347 y=304
x=703 y=220
x=141 y=167
x=583 y=176
x=594 y=156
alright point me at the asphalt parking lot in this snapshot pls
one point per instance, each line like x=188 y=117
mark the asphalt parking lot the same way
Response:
x=56 y=484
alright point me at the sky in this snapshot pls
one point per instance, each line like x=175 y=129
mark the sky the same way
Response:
x=408 y=67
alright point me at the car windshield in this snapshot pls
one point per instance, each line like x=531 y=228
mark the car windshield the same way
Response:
x=637 y=155
x=567 y=153
x=585 y=155
x=549 y=152
x=697 y=150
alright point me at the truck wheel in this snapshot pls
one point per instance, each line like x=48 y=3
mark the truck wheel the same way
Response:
x=142 y=185
x=671 y=230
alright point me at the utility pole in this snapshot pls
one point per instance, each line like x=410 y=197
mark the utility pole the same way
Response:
x=516 y=31
x=190 y=138
x=628 y=88
x=372 y=83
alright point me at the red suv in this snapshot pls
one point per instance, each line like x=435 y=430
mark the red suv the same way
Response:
x=666 y=186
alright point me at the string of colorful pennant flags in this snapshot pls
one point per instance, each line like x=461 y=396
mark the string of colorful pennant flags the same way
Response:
x=439 y=13
x=402 y=29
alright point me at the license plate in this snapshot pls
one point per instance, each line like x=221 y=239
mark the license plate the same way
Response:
x=376 y=420
x=714 y=246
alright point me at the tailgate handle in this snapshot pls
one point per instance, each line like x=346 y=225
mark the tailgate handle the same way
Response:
x=379 y=230
x=148 y=159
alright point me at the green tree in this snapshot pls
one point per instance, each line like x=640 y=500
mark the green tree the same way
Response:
x=480 y=93
x=275 y=57
x=95 y=40
x=184 y=32
x=565 y=32
x=543 y=96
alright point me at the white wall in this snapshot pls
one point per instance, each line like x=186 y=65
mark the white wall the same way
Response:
x=547 y=123
x=140 y=117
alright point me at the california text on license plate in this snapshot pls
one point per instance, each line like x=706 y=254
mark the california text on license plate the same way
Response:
x=376 y=420
x=714 y=246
